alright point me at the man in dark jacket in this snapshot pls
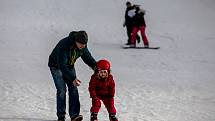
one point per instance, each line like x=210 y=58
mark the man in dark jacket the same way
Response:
x=61 y=63
x=128 y=21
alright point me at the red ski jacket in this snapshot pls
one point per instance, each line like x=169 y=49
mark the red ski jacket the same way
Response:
x=101 y=87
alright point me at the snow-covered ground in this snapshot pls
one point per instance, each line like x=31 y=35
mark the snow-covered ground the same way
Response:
x=174 y=83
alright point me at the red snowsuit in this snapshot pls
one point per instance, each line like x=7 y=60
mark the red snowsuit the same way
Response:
x=102 y=89
x=139 y=25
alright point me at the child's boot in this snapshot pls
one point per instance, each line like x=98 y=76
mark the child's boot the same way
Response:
x=93 y=117
x=112 y=117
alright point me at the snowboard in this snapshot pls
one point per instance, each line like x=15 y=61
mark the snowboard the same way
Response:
x=79 y=118
x=127 y=47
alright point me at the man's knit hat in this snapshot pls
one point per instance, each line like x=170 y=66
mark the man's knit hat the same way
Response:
x=81 y=37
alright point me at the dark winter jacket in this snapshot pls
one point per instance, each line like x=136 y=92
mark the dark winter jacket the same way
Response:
x=138 y=19
x=128 y=19
x=101 y=87
x=65 y=54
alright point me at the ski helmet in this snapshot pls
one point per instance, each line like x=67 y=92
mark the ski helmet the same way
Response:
x=103 y=65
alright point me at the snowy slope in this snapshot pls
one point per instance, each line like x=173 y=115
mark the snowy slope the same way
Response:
x=175 y=83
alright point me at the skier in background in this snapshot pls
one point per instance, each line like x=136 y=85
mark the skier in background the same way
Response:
x=129 y=14
x=102 y=88
x=139 y=25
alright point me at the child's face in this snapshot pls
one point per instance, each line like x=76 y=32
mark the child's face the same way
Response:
x=103 y=73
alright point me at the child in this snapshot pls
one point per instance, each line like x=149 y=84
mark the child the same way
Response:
x=102 y=88
x=139 y=25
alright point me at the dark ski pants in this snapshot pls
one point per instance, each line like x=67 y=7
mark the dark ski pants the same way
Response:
x=134 y=34
x=108 y=102
x=60 y=84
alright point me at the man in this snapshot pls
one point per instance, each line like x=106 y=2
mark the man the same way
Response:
x=129 y=14
x=61 y=63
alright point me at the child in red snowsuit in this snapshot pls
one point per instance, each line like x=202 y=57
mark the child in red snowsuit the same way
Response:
x=139 y=25
x=102 y=88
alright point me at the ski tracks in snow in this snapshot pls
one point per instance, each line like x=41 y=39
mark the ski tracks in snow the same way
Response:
x=135 y=105
x=22 y=96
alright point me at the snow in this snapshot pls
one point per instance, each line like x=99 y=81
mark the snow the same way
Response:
x=174 y=83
